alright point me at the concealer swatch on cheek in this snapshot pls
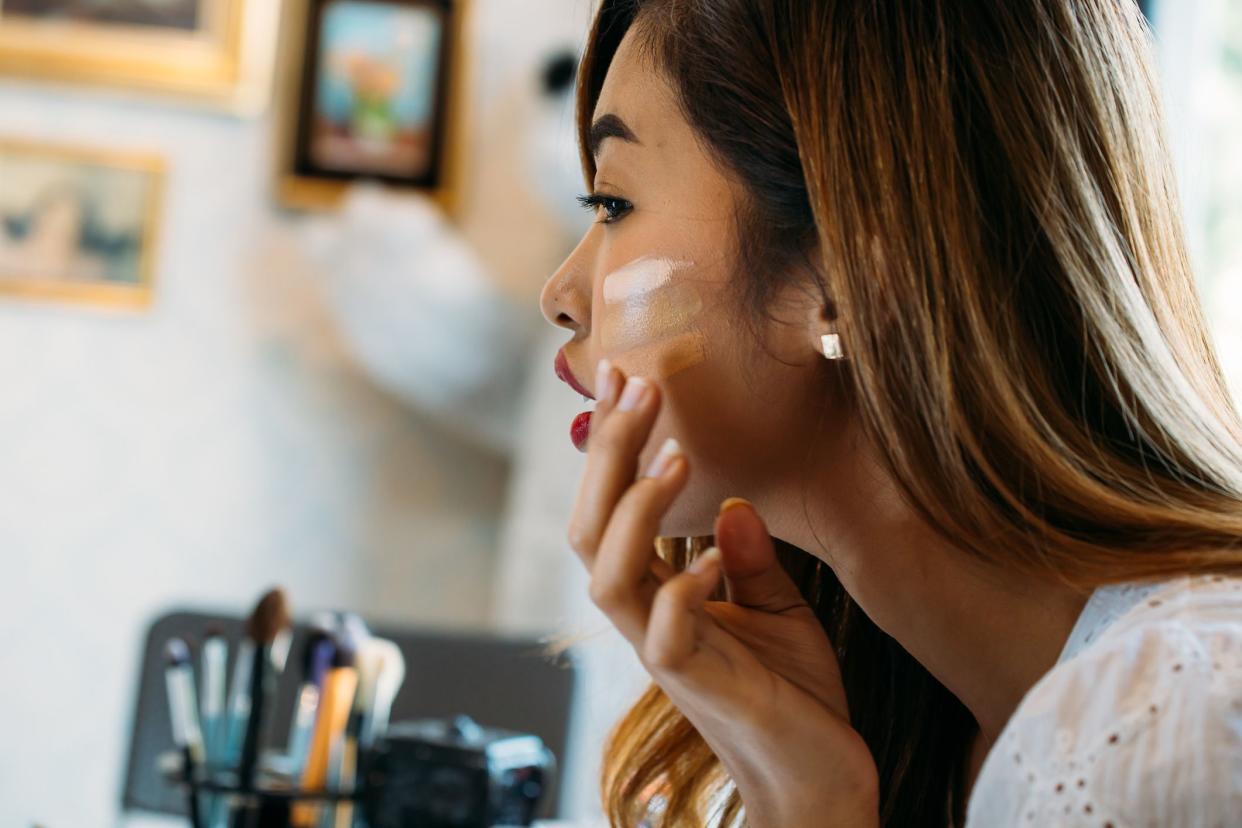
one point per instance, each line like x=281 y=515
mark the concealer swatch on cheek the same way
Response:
x=661 y=360
x=640 y=276
x=647 y=317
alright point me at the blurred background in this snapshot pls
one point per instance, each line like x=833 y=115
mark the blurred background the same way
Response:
x=268 y=280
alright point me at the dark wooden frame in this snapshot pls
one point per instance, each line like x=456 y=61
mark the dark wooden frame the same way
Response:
x=303 y=184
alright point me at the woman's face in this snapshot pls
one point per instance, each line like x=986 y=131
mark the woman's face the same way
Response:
x=652 y=287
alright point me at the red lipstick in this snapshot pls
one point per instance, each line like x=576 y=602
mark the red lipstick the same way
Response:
x=567 y=376
x=580 y=429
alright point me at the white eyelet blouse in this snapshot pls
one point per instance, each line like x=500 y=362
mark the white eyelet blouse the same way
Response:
x=1139 y=723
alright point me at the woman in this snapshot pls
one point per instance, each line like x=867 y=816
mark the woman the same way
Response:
x=909 y=277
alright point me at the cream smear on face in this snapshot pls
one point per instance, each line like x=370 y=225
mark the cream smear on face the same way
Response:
x=648 y=318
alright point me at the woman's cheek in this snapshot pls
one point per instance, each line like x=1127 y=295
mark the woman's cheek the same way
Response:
x=649 y=324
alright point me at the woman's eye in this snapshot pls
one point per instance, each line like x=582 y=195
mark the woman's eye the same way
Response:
x=607 y=208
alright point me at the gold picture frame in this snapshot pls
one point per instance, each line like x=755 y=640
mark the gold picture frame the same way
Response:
x=225 y=60
x=79 y=224
x=304 y=184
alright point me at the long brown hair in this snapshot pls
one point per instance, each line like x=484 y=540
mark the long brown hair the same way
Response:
x=985 y=194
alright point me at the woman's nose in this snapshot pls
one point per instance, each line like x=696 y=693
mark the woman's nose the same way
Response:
x=566 y=297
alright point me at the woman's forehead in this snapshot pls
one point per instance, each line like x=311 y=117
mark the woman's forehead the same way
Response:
x=638 y=93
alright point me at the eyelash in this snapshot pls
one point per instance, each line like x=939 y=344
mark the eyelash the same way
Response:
x=615 y=208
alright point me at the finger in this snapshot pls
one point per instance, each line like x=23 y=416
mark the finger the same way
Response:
x=612 y=463
x=608 y=384
x=623 y=579
x=676 y=613
x=661 y=569
x=752 y=574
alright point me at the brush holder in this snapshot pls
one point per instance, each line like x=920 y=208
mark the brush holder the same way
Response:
x=432 y=773
x=215 y=794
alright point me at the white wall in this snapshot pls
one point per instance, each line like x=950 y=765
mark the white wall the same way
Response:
x=193 y=455
x=221 y=442
x=1203 y=109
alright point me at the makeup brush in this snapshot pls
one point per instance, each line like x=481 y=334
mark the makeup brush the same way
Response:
x=389 y=678
x=316 y=661
x=368 y=662
x=214 y=658
x=343 y=764
x=267 y=630
x=337 y=813
x=183 y=713
x=381 y=669
x=239 y=704
x=359 y=636
x=335 y=703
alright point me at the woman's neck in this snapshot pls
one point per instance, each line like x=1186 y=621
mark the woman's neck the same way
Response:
x=986 y=633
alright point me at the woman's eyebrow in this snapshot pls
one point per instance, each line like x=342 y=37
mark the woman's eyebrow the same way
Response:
x=609 y=126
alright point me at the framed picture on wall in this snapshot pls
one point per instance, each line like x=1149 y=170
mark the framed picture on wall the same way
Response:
x=78 y=225
x=216 y=52
x=376 y=97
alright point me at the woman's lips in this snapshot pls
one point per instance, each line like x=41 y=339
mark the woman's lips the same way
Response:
x=580 y=429
x=567 y=376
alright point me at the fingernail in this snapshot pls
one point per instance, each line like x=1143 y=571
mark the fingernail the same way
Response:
x=603 y=380
x=635 y=392
x=735 y=501
x=664 y=458
x=704 y=561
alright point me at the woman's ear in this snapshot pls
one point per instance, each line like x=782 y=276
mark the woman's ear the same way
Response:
x=807 y=314
x=821 y=310
x=823 y=330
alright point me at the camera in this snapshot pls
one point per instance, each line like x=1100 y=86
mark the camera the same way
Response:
x=454 y=773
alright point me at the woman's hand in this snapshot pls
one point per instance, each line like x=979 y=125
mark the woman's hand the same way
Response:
x=756 y=675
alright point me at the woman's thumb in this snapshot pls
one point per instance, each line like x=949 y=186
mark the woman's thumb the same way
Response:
x=753 y=575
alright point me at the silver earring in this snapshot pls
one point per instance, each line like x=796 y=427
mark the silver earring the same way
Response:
x=831 y=345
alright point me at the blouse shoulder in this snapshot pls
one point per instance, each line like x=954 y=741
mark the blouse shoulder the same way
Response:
x=1140 y=726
